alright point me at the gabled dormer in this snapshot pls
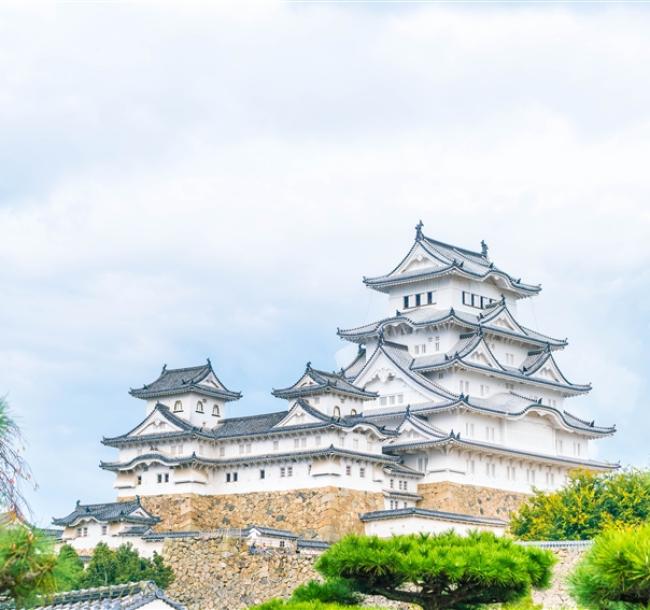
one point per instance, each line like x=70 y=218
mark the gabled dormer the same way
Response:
x=330 y=393
x=194 y=393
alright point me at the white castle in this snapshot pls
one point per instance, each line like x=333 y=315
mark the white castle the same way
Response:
x=448 y=396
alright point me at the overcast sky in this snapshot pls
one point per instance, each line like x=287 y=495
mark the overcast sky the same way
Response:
x=178 y=183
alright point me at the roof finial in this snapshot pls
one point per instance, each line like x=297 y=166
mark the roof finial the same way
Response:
x=209 y=363
x=164 y=368
x=308 y=366
x=484 y=249
x=418 y=231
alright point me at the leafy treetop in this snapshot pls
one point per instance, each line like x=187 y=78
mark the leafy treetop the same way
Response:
x=615 y=573
x=588 y=504
x=439 y=571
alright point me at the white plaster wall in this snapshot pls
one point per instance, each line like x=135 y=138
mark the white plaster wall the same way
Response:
x=414 y=524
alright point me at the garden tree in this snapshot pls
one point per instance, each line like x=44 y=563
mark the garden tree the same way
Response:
x=13 y=467
x=587 y=504
x=332 y=591
x=615 y=572
x=29 y=565
x=439 y=571
x=112 y=567
x=69 y=569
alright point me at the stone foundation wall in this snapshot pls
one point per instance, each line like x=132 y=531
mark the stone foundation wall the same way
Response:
x=469 y=499
x=220 y=574
x=327 y=513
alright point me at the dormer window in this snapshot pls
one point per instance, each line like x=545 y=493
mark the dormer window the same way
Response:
x=199 y=406
x=215 y=410
x=353 y=412
x=178 y=406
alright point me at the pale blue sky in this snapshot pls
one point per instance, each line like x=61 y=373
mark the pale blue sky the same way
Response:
x=178 y=183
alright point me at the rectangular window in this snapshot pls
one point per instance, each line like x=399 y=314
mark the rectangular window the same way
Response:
x=355 y=443
x=418 y=300
x=416 y=349
x=296 y=443
x=222 y=451
x=276 y=445
x=362 y=472
x=391 y=483
x=159 y=478
x=348 y=470
x=400 y=398
x=559 y=445
x=249 y=447
x=437 y=344
x=85 y=531
x=382 y=401
x=139 y=479
x=391 y=400
x=166 y=477
x=104 y=530
x=228 y=477
x=234 y=477
x=406 y=302
x=303 y=441
x=429 y=298
x=283 y=472
x=466 y=298
x=262 y=473
x=317 y=440
x=78 y=531
x=289 y=471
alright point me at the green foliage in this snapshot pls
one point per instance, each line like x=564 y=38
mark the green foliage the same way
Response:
x=69 y=569
x=439 y=571
x=615 y=573
x=585 y=506
x=113 y=567
x=334 y=590
x=28 y=564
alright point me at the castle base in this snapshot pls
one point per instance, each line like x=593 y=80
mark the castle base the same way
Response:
x=326 y=513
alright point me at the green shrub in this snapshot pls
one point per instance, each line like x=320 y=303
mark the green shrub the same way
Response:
x=439 y=571
x=114 y=567
x=615 y=572
x=588 y=504
x=331 y=591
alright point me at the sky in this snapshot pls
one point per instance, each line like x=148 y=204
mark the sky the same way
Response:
x=183 y=182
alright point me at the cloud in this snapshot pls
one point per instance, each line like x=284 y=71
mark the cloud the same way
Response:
x=189 y=182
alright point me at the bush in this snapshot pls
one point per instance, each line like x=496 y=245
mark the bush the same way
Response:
x=114 y=567
x=439 y=571
x=331 y=591
x=615 y=572
x=588 y=504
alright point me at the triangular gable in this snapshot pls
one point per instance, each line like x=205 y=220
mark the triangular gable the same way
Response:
x=418 y=258
x=481 y=355
x=412 y=431
x=547 y=370
x=211 y=381
x=155 y=423
x=299 y=415
x=380 y=369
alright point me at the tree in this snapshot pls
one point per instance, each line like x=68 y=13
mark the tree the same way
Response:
x=585 y=506
x=615 y=572
x=13 y=467
x=332 y=591
x=111 y=567
x=29 y=565
x=291 y=604
x=439 y=571
x=69 y=569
